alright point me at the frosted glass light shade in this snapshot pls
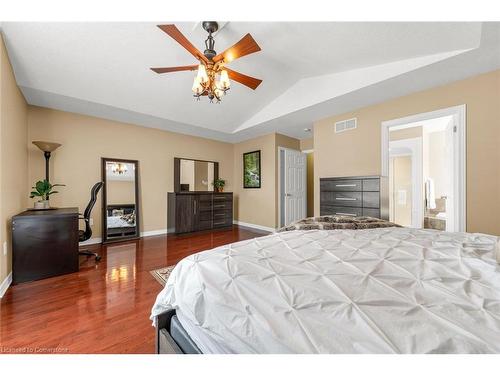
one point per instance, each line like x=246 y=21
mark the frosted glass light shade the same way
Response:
x=224 y=81
x=202 y=73
x=46 y=146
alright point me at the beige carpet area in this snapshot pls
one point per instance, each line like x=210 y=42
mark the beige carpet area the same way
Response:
x=161 y=274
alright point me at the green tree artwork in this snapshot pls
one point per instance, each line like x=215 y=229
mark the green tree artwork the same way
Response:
x=251 y=170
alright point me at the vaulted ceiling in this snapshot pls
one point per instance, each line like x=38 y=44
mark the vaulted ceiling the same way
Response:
x=309 y=70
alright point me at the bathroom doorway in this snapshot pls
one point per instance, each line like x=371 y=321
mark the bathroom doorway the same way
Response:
x=423 y=157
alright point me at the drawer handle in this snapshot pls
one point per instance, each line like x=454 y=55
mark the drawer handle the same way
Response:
x=219 y=214
x=345 y=199
x=219 y=223
x=346 y=185
x=344 y=214
x=220 y=206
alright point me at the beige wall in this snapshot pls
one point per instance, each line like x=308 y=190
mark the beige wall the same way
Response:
x=14 y=157
x=256 y=206
x=307 y=144
x=358 y=152
x=260 y=206
x=85 y=139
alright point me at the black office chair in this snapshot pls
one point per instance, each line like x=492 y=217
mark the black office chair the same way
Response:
x=84 y=235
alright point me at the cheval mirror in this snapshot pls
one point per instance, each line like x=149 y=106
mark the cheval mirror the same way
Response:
x=120 y=203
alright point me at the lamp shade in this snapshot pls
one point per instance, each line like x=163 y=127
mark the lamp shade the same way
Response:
x=46 y=146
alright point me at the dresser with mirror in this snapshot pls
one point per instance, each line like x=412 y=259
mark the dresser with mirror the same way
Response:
x=194 y=205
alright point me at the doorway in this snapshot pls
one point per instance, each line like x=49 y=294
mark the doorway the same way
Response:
x=423 y=157
x=292 y=184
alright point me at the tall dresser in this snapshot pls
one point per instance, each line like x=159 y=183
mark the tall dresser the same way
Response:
x=196 y=211
x=355 y=196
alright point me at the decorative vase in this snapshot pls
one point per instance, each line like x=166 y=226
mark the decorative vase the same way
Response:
x=40 y=205
x=220 y=189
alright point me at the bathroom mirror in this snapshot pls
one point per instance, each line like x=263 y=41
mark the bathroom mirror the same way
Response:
x=194 y=175
x=120 y=207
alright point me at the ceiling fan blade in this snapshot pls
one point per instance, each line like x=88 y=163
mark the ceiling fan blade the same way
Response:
x=245 y=46
x=248 y=81
x=175 y=34
x=174 y=69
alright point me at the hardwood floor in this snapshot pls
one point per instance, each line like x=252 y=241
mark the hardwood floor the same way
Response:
x=105 y=307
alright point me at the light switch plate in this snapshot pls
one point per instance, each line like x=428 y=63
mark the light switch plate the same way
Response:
x=5 y=248
x=91 y=222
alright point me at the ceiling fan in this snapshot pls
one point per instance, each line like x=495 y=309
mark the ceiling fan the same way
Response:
x=213 y=76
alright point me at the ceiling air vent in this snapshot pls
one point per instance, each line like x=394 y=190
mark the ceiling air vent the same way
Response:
x=345 y=125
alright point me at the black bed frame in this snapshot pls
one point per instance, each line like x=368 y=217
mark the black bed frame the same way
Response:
x=171 y=337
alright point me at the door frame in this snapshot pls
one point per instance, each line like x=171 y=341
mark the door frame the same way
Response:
x=417 y=197
x=280 y=183
x=459 y=158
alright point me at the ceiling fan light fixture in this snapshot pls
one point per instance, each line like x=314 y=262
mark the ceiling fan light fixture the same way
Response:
x=202 y=74
x=224 y=81
x=212 y=77
x=197 y=86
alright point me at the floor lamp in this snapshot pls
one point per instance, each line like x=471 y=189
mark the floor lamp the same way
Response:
x=47 y=148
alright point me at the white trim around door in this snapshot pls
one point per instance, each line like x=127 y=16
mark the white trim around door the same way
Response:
x=459 y=148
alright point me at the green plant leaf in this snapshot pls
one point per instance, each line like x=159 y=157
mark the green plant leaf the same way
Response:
x=52 y=192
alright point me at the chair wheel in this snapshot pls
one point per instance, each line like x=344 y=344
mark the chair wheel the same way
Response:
x=97 y=258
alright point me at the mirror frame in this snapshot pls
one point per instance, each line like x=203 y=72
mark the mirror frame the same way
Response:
x=104 y=213
x=177 y=175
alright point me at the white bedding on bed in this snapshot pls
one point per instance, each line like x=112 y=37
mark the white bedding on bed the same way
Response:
x=391 y=290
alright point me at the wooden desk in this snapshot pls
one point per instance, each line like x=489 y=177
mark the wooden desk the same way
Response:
x=44 y=244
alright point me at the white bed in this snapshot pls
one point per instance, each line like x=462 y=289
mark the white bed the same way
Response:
x=391 y=290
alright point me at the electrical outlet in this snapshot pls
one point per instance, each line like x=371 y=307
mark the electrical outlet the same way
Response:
x=91 y=222
x=5 y=248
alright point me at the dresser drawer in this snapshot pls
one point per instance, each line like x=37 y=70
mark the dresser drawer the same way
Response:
x=222 y=222
x=346 y=198
x=340 y=185
x=204 y=225
x=339 y=210
x=222 y=205
x=223 y=214
x=205 y=215
x=223 y=197
x=371 y=199
x=372 y=184
x=204 y=206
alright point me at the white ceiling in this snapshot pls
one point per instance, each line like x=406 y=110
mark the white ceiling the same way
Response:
x=309 y=70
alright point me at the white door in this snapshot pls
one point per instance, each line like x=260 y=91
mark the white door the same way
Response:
x=295 y=190
x=451 y=226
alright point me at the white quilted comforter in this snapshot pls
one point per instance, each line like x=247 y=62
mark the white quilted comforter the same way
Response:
x=391 y=290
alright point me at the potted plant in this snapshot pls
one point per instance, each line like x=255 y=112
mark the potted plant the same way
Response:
x=219 y=185
x=43 y=189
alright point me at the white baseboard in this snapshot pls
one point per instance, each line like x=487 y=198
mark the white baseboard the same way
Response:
x=91 y=241
x=5 y=284
x=254 y=226
x=154 y=232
